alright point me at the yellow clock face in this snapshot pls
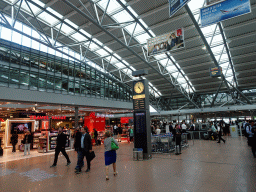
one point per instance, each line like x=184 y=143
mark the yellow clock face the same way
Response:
x=139 y=87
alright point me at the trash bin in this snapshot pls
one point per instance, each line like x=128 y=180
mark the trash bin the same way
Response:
x=135 y=154
x=140 y=154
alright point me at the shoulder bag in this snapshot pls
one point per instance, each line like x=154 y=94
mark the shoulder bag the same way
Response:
x=114 y=146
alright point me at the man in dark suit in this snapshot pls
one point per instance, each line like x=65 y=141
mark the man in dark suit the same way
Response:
x=61 y=142
x=83 y=145
x=220 y=132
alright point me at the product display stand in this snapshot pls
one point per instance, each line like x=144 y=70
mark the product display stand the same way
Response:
x=53 y=140
x=36 y=140
x=43 y=142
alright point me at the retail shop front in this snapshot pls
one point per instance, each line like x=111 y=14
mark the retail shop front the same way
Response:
x=44 y=138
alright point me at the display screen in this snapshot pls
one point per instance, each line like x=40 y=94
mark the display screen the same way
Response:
x=140 y=121
x=20 y=127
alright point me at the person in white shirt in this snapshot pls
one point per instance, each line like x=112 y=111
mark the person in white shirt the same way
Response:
x=158 y=130
x=183 y=127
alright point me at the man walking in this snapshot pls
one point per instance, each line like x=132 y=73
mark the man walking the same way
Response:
x=220 y=138
x=249 y=132
x=83 y=145
x=61 y=142
x=95 y=133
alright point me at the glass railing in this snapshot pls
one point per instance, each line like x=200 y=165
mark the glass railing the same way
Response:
x=26 y=68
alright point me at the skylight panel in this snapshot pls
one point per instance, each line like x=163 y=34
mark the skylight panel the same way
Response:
x=132 y=11
x=78 y=37
x=93 y=46
x=143 y=38
x=65 y=29
x=117 y=56
x=97 y=41
x=130 y=28
x=120 y=65
x=34 y=8
x=217 y=49
x=71 y=23
x=84 y=32
x=102 y=52
x=48 y=18
x=54 y=12
x=113 y=6
x=108 y=49
x=195 y=5
x=171 y=68
x=208 y=30
x=123 y=16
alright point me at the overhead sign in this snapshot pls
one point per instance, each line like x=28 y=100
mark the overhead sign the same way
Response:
x=176 y=5
x=224 y=10
x=215 y=71
x=167 y=42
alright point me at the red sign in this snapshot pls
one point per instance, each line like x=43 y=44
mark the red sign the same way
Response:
x=95 y=122
x=59 y=117
x=39 y=117
x=45 y=125
x=125 y=120
x=47 y=117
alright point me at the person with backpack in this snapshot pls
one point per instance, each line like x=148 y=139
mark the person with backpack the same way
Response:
x=131 y=134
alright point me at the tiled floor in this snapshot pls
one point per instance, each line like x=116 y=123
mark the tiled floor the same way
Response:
x=206 y=166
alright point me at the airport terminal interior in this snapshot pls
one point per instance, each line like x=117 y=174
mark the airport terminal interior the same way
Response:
x=163 y=90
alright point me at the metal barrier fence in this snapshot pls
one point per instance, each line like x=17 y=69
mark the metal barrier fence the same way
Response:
x=167 y=143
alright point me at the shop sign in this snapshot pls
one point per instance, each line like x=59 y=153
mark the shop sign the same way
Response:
x=59 y=117
x=104 y=115
x=47 y=117
x=39 y=117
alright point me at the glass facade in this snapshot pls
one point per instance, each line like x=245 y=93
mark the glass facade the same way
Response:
x=27 y=68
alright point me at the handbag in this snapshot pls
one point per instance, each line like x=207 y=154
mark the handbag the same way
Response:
x=114 y=146
x=92 y=155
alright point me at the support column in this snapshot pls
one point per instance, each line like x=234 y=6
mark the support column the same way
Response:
x=76 y=117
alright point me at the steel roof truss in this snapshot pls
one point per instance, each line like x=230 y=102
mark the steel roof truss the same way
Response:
x=15 y=19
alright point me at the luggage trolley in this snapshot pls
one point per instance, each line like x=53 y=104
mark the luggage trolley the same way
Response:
x=154 y=141
x=165 y=144
x=171 y=144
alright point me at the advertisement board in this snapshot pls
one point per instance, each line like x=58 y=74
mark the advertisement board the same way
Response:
x=224 y=10
x=212 y=2
x=215 y=71
x=176 y=5
x=166 y=42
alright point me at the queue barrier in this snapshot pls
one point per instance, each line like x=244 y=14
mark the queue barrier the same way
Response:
x=167 y=143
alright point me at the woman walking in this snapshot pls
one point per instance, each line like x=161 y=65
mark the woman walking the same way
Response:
x=110 y=155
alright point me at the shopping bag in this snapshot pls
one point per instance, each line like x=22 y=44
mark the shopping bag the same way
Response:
x=92 y=155
x=114 y=146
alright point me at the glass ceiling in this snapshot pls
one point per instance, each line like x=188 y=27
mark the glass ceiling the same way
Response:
x=121 y=16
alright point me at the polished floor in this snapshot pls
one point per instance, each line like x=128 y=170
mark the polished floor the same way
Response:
x=204 y=166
